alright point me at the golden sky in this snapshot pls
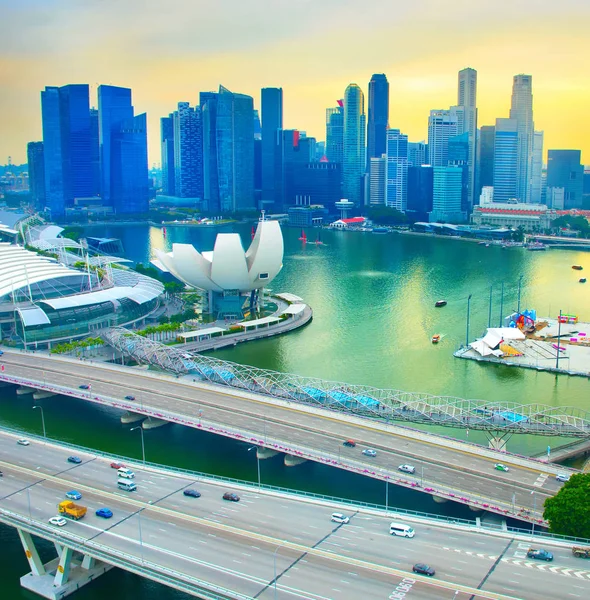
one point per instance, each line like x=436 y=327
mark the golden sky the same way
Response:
x=168 y=51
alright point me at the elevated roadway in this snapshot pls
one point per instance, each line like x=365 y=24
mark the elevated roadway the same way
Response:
x=445 y=467
x=267 y=545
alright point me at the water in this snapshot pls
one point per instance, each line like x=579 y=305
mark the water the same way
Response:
x=373 y=298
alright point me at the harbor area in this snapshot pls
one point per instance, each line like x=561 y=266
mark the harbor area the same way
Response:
x=560 y=345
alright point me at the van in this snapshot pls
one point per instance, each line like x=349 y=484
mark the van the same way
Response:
x=401 y=530
x=125 y=484
x=126 y=473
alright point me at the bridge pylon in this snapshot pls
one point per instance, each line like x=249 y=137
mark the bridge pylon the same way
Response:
x=498 y=440
x=61 y=576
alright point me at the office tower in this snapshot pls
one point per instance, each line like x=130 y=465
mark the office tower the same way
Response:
x=228 y=133
x=446 y=194
x=417 y=153
x=335 y=133
x=485 y=163
x=565 y=171
x=377 y=181
x=506 y=144
x=319 y=182
x=420 y=182
x=467 y=99
x=272 y=126
x=353 y=165
x=522 y=112
x=167 y=149
x=442 y=125
x=586 y=189
x=257 y=126
x=396 y=170
x=378 y=117
x=297 y=151
x=320 y=151
x=537 y=168
x=188 y=152
x=67 y=146
x=459 y=154
x=94 y=152
x=36 y=166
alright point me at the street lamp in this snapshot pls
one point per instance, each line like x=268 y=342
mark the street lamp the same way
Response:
x=142 y=444
x=140 y=538
x=534 y=511
x=42 y=419
x=274 y=562
x=257 y=462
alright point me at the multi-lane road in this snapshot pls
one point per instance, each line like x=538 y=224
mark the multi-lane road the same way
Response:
x=263 y=539
x=465 y=470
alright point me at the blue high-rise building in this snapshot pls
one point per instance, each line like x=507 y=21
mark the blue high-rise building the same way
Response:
x=123 y=151
x=459 y=156
x=335 y=133
x=36 y=166
x=272 y=164
x=378 y=116
x=354 y=151
x=167 y=147
x=94 y=152
x=506 y=148
x=564 y=170
x=67 y=146
x=188 y=152
x=396 y=170
x=447 y=194
x=420 y=191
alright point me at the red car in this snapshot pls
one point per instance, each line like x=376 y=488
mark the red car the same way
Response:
x=117 y=465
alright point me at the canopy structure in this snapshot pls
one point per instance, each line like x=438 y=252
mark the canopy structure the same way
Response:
x=200 y=333
x=33 y=316
x=482 y=348
x=264 y=321
x=289 y=297
x=294 y=309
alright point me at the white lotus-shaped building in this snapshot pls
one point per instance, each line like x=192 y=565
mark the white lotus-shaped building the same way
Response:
x=228 y=270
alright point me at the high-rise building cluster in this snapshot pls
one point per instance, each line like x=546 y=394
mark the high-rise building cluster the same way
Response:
x=218 y=155
x=89 y=158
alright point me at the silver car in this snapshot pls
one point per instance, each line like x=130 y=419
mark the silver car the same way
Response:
x=407 y=469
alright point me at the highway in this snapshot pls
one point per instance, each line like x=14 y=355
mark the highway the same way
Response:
x=242 y=545
x=465 y=470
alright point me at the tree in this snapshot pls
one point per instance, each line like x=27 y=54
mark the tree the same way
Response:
x=384 y=215
x=573 y=222
x=568 y=512
x=518 y=234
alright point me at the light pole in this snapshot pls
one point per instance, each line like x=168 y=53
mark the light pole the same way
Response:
x=42 y=419
x=140 y=538
x=142 y=444
x=534 y=511
x=467 y=332
x=29 y=500
x=257 y=462
x=386 y=495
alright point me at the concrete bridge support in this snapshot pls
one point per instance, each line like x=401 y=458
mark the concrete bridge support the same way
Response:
x=131 y=417
x=498 y=440
x=39 y=395
x=23 y=390
x=263 y=453
x=61 y=576
x=293 y=461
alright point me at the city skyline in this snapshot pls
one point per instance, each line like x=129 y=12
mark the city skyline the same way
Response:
x=289 y=46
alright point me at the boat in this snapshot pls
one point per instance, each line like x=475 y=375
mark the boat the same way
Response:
x=436 y=338
x=380 y=230
x=582 y=280
x=577 y=267
x=536 y=247
x=303 y=237
x=164 y=231
x=440 y=303
x=318 y=241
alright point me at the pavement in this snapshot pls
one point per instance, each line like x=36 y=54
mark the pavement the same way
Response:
x=265 y=538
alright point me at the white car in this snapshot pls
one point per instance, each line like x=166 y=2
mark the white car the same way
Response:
x=23 y=442
x=563 y=477
x=59 y=521
x=406 y=469
x=340 y=518
x=369 y=452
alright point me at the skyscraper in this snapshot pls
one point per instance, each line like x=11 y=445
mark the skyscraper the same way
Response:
x=378 y=117
x=420 y=191
x=67 y=146
x=417 y=153
x=442 y=125
x=459 y=150
x=522 y=112
x=123 y=151
x=188 y=152
x=485 y=170
x=228 y=133
x=335 y=133
x=94 y=152
x=537 y=168
x=506 y=144
x=272 y=126
x=36 y=166
x=446 y=194
x=353 y=165
x=565 y=171
x=396 y=170
x=377 y=181
x=467 y=99
x=167 y=148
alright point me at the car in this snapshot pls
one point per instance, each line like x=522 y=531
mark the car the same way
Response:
x=1 y=352
x=129 y=397
x=501 y=467
x=539 y=554
x=340 y=518
x=407 y=469
x=231 y=497
x=59 y=521
x=563 y=477
x=84 y=386
x=74 y=459
x=349 y=443
x=117 y=465
x=23 y=442
x=192 y=493
x=423 y=569
x=105 y=513
x=369 y=452
x=73 y=495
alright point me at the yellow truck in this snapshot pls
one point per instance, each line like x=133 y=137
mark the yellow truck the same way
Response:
x=73 y=511
x=581 y=551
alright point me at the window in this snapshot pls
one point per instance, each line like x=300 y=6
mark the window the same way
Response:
x=263 y=276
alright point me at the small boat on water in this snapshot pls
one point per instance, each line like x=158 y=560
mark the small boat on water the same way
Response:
x=440 y=303
x=436 y=338
x=577 y=267
x=303 y=237
x=582 y=280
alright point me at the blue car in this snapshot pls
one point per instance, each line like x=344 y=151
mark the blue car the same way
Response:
x=192 y=493
x=73 y=495
x=74 y=459
x=105 y=513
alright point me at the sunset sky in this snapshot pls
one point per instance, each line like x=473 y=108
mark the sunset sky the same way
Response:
x=169 y=50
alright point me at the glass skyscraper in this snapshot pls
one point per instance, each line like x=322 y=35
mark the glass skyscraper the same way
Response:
x=565 y=171
x=378 y=117
x=335 y=133
x=36 y=165
x=167 y=148
x=188 y=151
x=271 y=163
x=396 y=170
x=522 y=112
x=353 y=165
x=467 y=98
x=506 y=144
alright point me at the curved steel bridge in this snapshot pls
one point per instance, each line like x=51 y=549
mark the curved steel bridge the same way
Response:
x=497 y=417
